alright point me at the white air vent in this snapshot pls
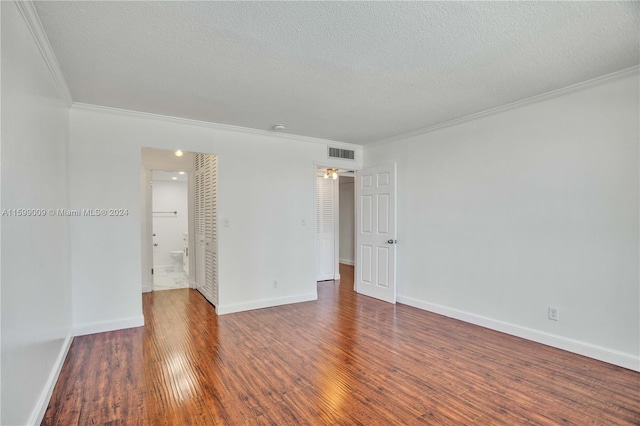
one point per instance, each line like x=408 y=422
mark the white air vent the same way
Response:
x=345 y=154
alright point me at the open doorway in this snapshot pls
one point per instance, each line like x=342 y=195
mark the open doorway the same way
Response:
x=346 y=220
x=162 y=216
x=170 y=229
x=169 y=165
x=334 y=223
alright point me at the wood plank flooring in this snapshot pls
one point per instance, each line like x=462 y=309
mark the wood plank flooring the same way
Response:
x=345 y=359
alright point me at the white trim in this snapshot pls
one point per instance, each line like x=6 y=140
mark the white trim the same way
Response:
x=104 y=326
x=32 y=19
x=43 y=401
x=335 y=163
x=600 y=353
x=146 y=229
x=211 y=125
x=336 y=229
x=513 y=105
x=348 y=262
x=264 y=303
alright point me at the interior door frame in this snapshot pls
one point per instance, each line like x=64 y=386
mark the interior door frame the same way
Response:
x=147 y=231
x=336 y=224
x=147 y=224
x=336 y=212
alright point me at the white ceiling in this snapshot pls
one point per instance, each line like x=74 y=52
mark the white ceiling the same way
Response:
x=348 y=71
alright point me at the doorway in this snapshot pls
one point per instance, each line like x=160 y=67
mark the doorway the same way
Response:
x=198 y=242
x=169 y=164
x=170 y=229
x=346 y=219
x=334 y=236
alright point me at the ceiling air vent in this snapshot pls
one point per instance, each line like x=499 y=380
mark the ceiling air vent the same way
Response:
x=345 y=154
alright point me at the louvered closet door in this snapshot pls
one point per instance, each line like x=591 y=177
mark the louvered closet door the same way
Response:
x=325 y=229
x=210 y=228
x=206 y=226
x=199 y=222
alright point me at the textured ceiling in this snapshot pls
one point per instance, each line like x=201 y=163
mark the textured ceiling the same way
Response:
x=348 y=71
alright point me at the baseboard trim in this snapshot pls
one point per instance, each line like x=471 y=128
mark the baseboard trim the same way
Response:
x=147 y=288
x=611 y=356
x=265 y=303
x=104 y=326
x=41 y=406
x=348 y=262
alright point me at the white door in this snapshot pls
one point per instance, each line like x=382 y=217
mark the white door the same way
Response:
x=206 y=230
x=199 y=221
x=211 y=229
x=325 y=229
x=376 y=232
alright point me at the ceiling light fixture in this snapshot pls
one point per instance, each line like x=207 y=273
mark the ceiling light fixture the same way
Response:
x=174 y=178
x=279 y=127
x=331 y=173
x=179 y=153
x=180 y=173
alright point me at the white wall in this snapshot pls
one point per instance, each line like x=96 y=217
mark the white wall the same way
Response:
x=537 y=206
x=168 y=228
x=36 y=287
x=266 y=188
x=347 y=221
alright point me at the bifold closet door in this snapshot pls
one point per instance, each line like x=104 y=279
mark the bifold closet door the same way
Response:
x=206 y=199
x=325 y=229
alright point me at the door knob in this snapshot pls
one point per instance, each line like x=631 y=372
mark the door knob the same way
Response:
x=392 y=241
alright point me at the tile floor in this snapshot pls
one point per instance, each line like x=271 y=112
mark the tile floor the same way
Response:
x=167 y=278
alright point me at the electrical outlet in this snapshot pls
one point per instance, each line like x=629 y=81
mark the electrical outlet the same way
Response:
x=554 y=313
x=275 y=283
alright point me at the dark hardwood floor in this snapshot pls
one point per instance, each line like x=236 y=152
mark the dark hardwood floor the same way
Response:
x=345 y=359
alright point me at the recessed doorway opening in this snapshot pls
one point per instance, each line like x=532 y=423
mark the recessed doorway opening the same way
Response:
x=334 y=236
x=179 y=221
x=170 y=229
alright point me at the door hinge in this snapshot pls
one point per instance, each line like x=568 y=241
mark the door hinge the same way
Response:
x=151 y=271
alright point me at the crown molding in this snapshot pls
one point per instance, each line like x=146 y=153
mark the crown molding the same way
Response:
x=210 y=125
x=32 y=19
x=513 y=105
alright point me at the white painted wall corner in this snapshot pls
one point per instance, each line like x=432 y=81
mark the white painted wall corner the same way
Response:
x=265 y=303
x=104 y=326
x=43 y=401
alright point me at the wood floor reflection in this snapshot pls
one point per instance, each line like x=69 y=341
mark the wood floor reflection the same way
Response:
x=345 y=359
